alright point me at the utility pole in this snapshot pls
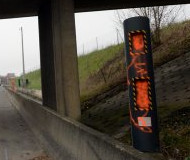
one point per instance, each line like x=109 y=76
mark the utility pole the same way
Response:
x=23 y=76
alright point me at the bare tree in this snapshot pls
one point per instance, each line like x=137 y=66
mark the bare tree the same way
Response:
x=159 y=16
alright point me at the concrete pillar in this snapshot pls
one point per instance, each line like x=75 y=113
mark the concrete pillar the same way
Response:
x=47 y=57
x=66 y=62
x=65 y=57
x=57 y=44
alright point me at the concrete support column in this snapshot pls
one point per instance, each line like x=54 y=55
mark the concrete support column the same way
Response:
x=66 y=62
x=60 y=29
x=47 y=57
x=57 y=45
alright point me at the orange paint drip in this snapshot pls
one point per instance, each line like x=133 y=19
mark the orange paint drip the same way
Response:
x=130 y=65
x=143 y=101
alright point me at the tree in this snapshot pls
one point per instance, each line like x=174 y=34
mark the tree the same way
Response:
x=159 y=16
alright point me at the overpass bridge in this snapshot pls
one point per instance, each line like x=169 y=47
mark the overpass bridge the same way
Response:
x=60 y=88
x=54 y=121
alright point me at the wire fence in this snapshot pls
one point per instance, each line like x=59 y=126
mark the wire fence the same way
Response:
x=30 y=69
x=99 y=42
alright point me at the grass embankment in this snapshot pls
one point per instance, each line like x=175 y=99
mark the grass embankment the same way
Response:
x=100 y=70
x=91 y=64
x=34 y=78
x=175 y=42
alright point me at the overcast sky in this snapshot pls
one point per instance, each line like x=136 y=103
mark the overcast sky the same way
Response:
x=93 y=29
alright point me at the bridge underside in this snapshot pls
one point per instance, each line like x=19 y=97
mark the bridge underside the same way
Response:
x=22 y=8
x=86 y=5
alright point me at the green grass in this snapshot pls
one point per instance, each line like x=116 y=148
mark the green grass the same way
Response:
x=89 y=65
x=92 y=62
x=175 y=42
x=34 y=78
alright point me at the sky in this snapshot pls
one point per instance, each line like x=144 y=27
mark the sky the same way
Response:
x=93 y=27
x=94 y=30
x=10 y=45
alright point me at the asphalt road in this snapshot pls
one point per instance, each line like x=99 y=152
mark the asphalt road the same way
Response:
x=17 y=142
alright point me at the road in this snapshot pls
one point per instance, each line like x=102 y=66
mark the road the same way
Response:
x=17 y=142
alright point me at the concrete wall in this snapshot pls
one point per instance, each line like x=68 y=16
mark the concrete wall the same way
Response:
x=66 y=139
x=172 y=82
